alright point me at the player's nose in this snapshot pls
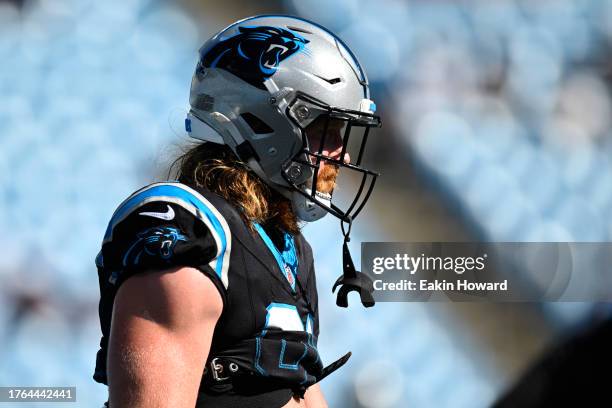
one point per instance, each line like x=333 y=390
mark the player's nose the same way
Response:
x=336 y=153
x=333 y=148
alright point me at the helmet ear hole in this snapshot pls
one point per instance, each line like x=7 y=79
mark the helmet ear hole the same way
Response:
x=258 y=126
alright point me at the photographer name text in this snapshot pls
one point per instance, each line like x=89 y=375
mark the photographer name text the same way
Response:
x=440 y=285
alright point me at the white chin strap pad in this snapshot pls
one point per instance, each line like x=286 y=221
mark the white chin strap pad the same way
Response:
x=306 y=210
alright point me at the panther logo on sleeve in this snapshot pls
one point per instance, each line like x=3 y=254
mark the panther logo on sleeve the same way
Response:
x=255 y=53
x=156 y=241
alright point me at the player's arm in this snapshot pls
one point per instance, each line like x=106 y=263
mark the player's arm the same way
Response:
x=161 y=332
x=314 y=397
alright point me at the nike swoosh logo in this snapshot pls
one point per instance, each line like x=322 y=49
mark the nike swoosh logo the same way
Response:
x=168 y=215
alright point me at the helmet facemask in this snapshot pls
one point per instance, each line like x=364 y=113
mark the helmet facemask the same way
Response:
x=333 y=146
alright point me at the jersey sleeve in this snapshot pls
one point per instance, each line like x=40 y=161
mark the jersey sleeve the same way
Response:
x=162 y=226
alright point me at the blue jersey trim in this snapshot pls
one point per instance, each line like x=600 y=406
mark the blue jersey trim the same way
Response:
x=287 y=366
x=288 y=257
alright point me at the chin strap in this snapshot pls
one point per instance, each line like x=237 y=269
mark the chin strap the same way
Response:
x=352 y=279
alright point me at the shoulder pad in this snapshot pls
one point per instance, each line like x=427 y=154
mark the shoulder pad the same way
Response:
x=161 y=216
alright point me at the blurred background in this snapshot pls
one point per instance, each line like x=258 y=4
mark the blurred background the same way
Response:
x=496 y=127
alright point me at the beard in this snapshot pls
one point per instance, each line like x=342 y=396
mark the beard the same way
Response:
x=326 y=180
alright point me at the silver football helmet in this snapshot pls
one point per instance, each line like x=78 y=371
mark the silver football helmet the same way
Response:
x=257 y=86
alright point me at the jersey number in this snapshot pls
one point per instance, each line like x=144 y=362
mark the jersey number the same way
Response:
x=284 y=317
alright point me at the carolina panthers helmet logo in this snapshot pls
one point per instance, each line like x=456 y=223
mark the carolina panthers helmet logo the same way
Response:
x=255 y=53
x=157 y=241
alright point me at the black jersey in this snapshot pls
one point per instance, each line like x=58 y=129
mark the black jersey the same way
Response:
x=269 y=324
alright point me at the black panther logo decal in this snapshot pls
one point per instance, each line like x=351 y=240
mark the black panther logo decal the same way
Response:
x=157 y=241
x=255 y=53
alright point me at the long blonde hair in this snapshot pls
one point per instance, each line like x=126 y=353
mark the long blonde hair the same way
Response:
x=216 y=168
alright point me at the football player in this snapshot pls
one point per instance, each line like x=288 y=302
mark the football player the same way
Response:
x=208 y=290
